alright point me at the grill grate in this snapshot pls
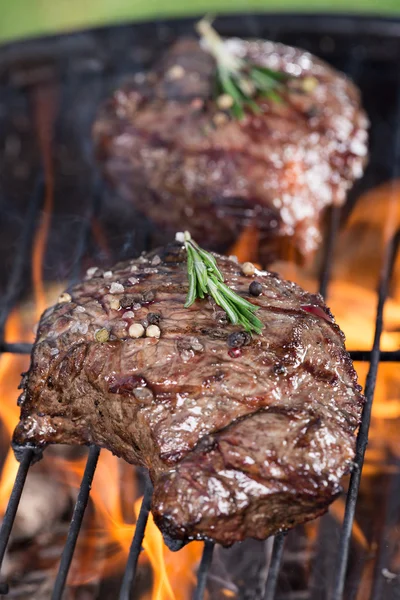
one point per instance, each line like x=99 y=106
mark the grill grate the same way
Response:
x=352 y=33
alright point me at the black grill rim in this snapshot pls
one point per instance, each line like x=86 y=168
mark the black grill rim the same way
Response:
x=293 y=22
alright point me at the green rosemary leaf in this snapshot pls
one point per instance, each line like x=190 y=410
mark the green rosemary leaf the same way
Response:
x=200 y=270
x=264 y=83
x=237 y=112
x=200 y=293
x=192 y=293
x=278 y=76
x=224 y=303
x=254 y=107
x=236 y=298
x=239 y=78
x=247 y=318
x=209 y=261
x=205 y=278
x=248 y=321
x=230 y=88
x=271 y=95
x=191 y=296
x=252 y=319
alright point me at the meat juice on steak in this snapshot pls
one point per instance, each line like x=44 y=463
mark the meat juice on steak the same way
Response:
x=166 y=146
x=242 y=436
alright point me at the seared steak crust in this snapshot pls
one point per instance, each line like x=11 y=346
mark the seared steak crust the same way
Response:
x=239 y=441
x=165 y=145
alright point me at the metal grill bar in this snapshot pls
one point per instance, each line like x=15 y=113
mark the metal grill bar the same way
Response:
x=362 y=439
x=327 y=262
x=16 y=348
x=202 y=575
x=15 y=282
x=324 y=277
x=84 y=235
x=392 y=510
x=136 y=546
x=385 y=356
x=76 y=523
x=13 y=290
x=274 y=567
x=12 y=507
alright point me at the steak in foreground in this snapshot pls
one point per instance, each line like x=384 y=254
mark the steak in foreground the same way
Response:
x=165 y=145
x=242 y=436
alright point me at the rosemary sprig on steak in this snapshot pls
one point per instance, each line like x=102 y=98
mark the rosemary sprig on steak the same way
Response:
x=206 y=279
x=240 y=82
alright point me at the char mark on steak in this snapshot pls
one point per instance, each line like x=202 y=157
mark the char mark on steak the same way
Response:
x=240 y=439
x=166 y=146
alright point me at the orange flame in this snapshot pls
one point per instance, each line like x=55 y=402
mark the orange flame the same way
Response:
x=104 y=545
x=45 y=102
x=173 y=572
x=11 y=367
x=247 y=244
x=154 y=547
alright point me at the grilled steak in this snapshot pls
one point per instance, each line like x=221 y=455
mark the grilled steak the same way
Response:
x=242 y=436
x=166 y=146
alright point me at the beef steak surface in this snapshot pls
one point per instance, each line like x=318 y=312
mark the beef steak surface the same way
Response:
x=242 y=436
x=166 y=146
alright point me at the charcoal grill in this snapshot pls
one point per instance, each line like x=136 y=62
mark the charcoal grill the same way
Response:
x=84 y=67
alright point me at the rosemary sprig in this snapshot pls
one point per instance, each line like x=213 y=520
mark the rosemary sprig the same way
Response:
x=239 y=80
x=206 y=279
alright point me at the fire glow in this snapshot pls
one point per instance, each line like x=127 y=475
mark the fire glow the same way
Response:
x=114 y=505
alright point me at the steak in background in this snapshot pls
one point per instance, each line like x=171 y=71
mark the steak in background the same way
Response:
x=242 y=436
x=166 y=146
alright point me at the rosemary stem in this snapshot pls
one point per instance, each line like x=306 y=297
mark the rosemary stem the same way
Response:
x=205 y=278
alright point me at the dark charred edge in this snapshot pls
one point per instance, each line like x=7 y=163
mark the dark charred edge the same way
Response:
x=173 y=543
x=180 y=536
x=20 y=450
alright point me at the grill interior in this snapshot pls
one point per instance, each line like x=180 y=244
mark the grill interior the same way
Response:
x=49 y=92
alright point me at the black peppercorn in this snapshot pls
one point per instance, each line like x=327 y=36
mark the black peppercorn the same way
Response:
x=127 y=301
x=312 y=112
x=255 y=288
x=153 y=318
x=221 y=317
x=148 y=296
x=238 y=339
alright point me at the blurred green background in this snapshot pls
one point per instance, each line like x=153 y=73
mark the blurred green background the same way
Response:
x=23 y=18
